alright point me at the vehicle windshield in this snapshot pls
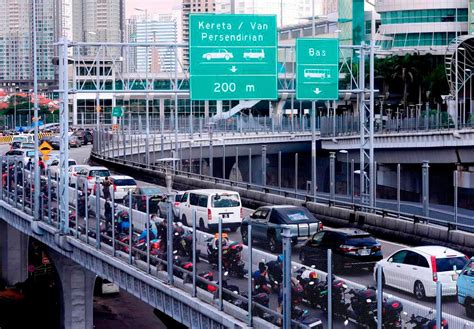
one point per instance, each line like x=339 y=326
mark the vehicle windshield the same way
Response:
x=100 y=173
x=447 y=264
x=151 y=191
x=225 y=200
x=71 y=163
x=291 y=215
x=296 y=215
x=125 y=182
x=360 y=240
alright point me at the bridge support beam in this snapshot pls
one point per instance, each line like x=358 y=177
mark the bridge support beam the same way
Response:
x=13 y=254
x=77 y=293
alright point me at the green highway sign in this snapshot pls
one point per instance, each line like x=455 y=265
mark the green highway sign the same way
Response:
x=317 y=71
x=117 y=111
x=233 y=57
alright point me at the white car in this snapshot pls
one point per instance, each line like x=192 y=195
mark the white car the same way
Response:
x=209 y=205
x=55 y=166
x=90 y=173
x=218 y=54
x=121 y=186
x=74 y=171
x=418 y=269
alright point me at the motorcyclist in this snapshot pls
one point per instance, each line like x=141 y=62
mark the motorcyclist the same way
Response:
x=260 y=278
x=215 y=242
x=108 y=212
x=123 y=222
x=153 y=232
x=161 y=231
x=275 y=271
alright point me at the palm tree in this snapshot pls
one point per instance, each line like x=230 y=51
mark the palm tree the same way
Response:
x=406 y=71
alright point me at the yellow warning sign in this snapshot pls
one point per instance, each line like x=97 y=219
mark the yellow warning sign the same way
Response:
x=45 y=148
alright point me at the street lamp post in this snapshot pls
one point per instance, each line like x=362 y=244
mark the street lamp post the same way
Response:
x=347 y=169
x=147 y=101
x=36 y=214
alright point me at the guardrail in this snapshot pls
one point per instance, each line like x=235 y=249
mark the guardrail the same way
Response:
x=298 y=195
x=132 y=255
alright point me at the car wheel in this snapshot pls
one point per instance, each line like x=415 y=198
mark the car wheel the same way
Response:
x=303 y=258
x=227 y=57
x=419 y=290
x=208 y=57
x=184 y=220
x=274 y=247
x=469 y=305
x=201 y=225
x=245 y=236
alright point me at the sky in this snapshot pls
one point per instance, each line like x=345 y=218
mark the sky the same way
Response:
x=153 y=6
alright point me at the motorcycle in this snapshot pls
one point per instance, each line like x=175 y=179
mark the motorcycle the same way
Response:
x=305 y=318
x=423 y=322
x=231 y=257
x=262 y=299
x=183 y=242
x=364 y=305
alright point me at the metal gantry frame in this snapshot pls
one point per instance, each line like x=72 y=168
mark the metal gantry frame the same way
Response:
x=90 y=55
x=63 y=193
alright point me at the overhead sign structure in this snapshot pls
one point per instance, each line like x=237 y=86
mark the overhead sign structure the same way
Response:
x=317 y=72
x=233 y=57
x=117 y=111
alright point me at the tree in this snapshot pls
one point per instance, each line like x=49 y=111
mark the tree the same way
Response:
x=406 y=71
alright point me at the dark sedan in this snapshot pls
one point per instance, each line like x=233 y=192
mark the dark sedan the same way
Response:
x=267 y=223
x=139 y=196
x=85 y=136
x=351 y=248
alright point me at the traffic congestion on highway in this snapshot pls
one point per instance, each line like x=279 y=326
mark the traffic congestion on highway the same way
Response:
x=410 y=275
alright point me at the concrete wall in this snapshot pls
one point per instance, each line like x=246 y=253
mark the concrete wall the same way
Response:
x=395 y=229
x=13 y=254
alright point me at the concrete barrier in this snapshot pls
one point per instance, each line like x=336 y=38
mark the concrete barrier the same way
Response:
x=397 y=230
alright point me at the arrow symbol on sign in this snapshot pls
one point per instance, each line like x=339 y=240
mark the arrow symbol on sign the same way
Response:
x=233 y=69
x=317 y=91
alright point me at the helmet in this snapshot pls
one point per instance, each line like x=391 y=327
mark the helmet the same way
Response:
x=280 y=258
x=313 y=275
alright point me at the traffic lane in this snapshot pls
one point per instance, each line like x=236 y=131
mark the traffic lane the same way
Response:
x=242 y=284
x=363 y=277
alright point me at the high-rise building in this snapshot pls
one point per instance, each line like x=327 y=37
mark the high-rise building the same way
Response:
x=330 y=7
x=423 y=25
x=72 y=19
x=157 y=29
x=53 y=19
x=288 y=12
x=188 y=7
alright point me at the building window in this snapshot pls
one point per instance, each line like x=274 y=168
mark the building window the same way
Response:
x=424 y=16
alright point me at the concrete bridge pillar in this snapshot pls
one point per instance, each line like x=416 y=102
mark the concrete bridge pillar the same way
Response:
x=13 y=254
x=77 y=285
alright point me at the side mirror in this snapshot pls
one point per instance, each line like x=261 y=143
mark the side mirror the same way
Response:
x=390 y=260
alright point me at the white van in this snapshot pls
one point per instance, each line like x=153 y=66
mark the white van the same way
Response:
x=209 y=205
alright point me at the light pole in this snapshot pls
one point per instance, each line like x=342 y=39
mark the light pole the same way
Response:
x=470 y=92
x=36 y=214
x=347 y=168
x=97 y=99
x=29 y=107
x=147 y=103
